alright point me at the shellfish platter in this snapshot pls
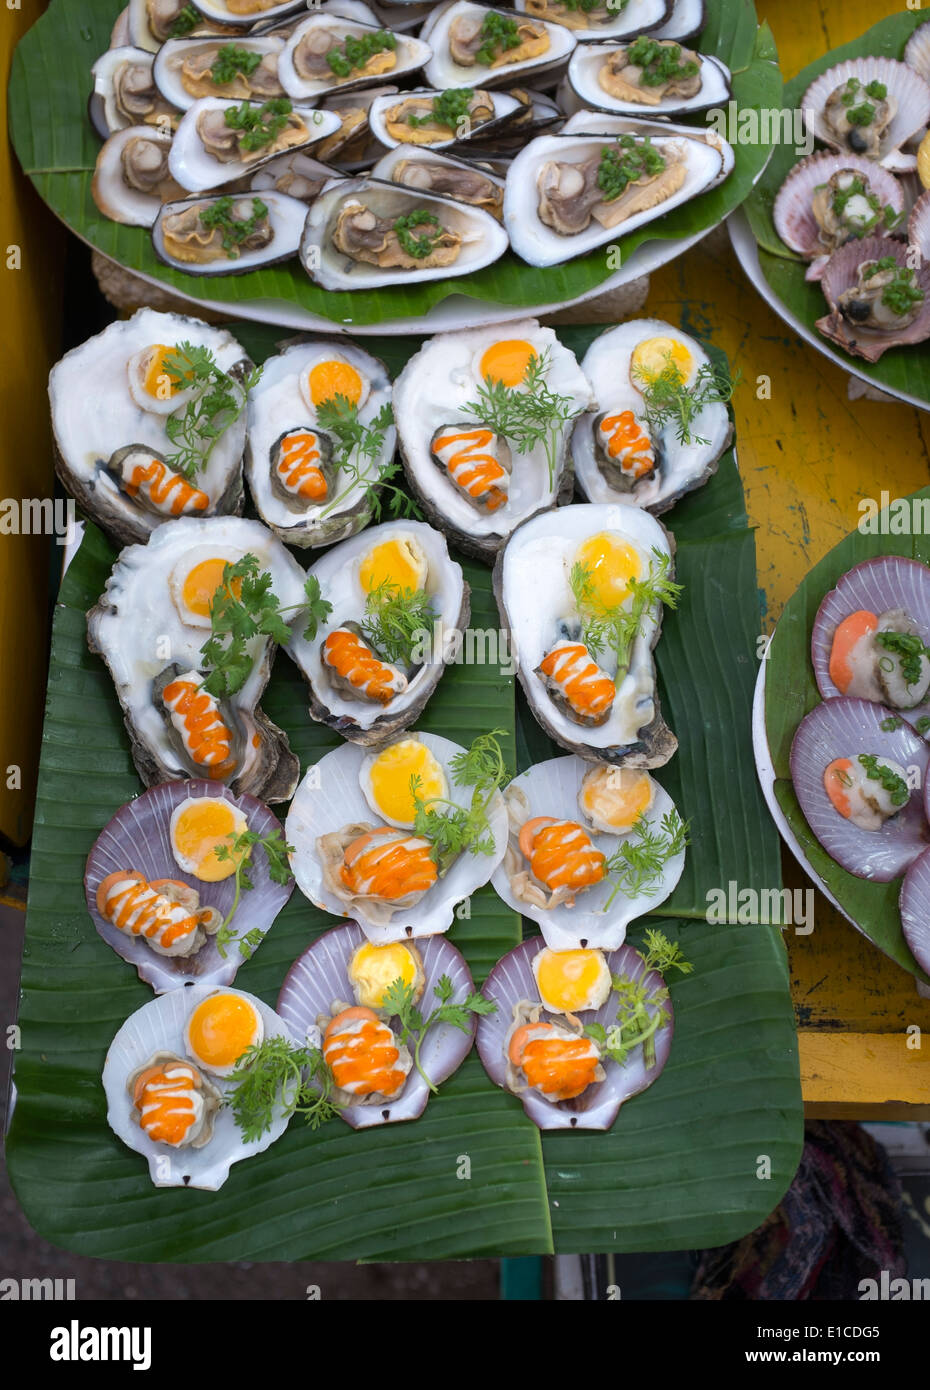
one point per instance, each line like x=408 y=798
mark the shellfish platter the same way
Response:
x=832 y=695
x=325 y=168
x=837 y=239
x=138 y=974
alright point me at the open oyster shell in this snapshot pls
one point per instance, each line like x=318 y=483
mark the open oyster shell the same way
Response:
x=564 y=167
x=443 y=174
x=804 y=190
x=152 y=22
x=247 y=12
x=159 y=1027
x=145 y=638
x=278 y=405
x=904 y=111
x=511 y=982
x=308 y=75
x=431 y=393
x=685 y=21
x=590 y=61
x=475 y=237
x=679 y=468
x=352 y=147
x=531 y=584
x=845 y=288
x=95 y=418
x=320 y=975
x=455 y=34
x=330 y=797
x=197 y=169
x=296 y=175
x=183 y=70
x=138 y=838
x=125 y=93
x=365 y=721
x=131 y=177
x=605 y=21
x=180 y=238
x=418 y=103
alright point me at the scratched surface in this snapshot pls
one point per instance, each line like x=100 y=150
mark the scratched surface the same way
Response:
x=807 y=455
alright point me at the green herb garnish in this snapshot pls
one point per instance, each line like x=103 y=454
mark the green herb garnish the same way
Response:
x=184 y=21
x=923 y=724
x=498 y=34
x=421 y=245
x=449 y=108
x=276 y=1073
x=667 y=397
x=459 y=829
x=218 y=402
x=636 y=867
x=903 y=292
x=240 y=852
x=398 y=1001
x=659 y=62
x=625 y=162
x=355 y=448
x=353 y=53
x=526 y=415
x=618 y=628
x=234 y=230
x=910 y=650
x=640 y=1014
x=232 y=60
x=893 y=722
x=396 y=620
x=897 y=788
x=259 y=125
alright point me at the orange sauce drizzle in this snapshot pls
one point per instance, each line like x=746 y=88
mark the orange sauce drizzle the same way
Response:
x=628 y=441
x=559 y=1067
x=134 y=905
x=355 y=663
x=298 y=466
x=471 y=469
x=560 y=853
x=167 y=489
x=388 y=863
x=164 y=1097
x=587 y=688
x=362 y=1059
x=206 y=737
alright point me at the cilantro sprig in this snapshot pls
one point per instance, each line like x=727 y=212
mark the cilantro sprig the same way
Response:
x=616 y=629
x=239 y=851
x=528 y=414
x=667 y=397
x=640 y=1011
x=218 y=401
x=636 y=867
x=243 y=608
x=277 y=1073
x=397 y=1000
x=458 y=829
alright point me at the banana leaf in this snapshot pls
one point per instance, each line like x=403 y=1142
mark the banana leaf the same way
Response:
x=56 y=145
x=791 y=692
x=682 y=1164
x=905 y=369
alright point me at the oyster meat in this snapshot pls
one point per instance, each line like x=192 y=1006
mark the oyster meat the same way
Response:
x=444 y=175
x=125 y=93
x=474 y=45
x=131 y=178
x=327 y=53
x=231 y=233
x=220 y=141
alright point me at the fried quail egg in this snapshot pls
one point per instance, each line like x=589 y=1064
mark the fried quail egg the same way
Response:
x=195 y=579
x=652 y=356
x=570 y=981
x=332 y=376
x=612 y=562
x=198 y=826
x=152 y=386
x=220 y=1029
x=612 y=799
x=505 y=360
x=373 y=969
x=385 y=780
x=399 y=563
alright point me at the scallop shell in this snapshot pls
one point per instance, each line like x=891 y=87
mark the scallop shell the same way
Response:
x=138 y=838
x=918 y=226
x=443 y=72
x=367 y=722
x=840 y=273
x=846 y=728
x=792 y=213
x=531 y=587
x=586 y=63
x=551 y=789
x=917 y=51
x=878 y=586
x=511 y=981
x=330 y=797
x=683 y=467
x=914 y=903
x=159 y=1025
x=910 y=90
x=319 y=976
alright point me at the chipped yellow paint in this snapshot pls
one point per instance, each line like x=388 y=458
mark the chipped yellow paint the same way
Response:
x=807 y=455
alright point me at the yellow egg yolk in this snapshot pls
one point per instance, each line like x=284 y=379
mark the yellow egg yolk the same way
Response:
x=201 y=583
x=618 y=796
x=611 y=562
x=220 y=1029
x=197 y=832
x=157 y=381
x=390 y=774
x=399 y=563
x=653 y=356
x=327 y=380
x=568 y=979
x=373 y=969
x=507 y=361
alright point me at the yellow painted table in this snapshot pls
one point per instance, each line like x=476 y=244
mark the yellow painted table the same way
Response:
x=807 y=455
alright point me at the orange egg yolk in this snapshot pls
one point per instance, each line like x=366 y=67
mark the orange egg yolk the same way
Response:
x=507 y=361
x=158 y=382
x=327 y=380
x=221 y=1028
x=201 y=583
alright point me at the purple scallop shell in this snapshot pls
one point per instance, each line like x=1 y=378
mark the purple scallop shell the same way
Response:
x=793 y=214
x=841 y=272
x=845 y=728
x=889 y=581
x=918 y=224
x=319 y=976
x=915 y=906
x=512 y=980
x=138 y=838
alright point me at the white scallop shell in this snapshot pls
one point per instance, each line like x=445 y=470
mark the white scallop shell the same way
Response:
x=910 y=90
x=330 y=797
x=917 y=51
x=159 y=1025
x=551 y=789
